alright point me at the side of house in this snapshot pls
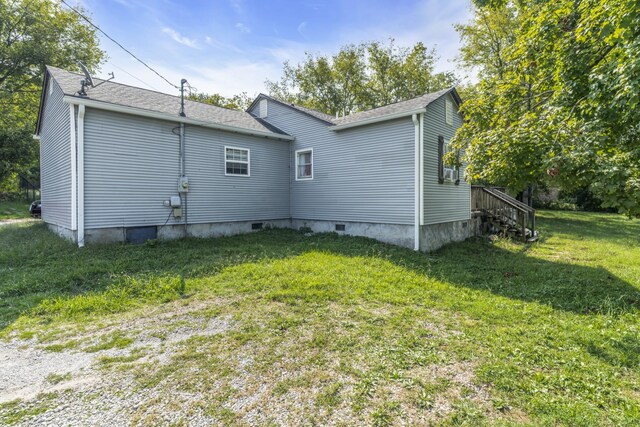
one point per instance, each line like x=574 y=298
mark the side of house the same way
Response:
x=120 y=163
x=56 y=153
x=446 y=197
x=358 y=181
x=113 y=177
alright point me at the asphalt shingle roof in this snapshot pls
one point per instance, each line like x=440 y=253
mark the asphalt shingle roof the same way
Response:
x=131 y=96
x=387 y=110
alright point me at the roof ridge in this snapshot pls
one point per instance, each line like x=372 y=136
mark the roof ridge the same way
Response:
x=145 y=89
x=404 y=100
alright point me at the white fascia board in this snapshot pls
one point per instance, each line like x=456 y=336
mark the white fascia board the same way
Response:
x=162 y=116
x=378 y=119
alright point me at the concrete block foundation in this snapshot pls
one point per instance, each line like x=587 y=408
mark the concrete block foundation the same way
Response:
x=64 y=232
x=434 y=236
x=170 y=232
x=396 y=234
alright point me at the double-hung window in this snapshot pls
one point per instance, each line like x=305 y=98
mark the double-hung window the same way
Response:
x=236 y=161
x=304 y=164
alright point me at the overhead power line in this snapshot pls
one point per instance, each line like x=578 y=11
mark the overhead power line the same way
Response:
x=119 y=45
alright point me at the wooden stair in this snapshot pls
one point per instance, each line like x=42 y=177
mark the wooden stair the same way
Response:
x=503 y=214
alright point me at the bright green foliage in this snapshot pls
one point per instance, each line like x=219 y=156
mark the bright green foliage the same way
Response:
x=360 y=77
x=34 y=33
x=558 y=92
x=235 y=102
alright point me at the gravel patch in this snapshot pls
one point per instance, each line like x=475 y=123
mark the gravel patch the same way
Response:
x=73 y=387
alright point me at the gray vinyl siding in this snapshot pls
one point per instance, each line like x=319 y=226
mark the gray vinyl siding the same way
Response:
x=132 y=166
x=442 y=202
x=364 y=174
x=215 y=197
x=55 y=155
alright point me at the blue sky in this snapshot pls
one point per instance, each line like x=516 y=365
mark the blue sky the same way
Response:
x=231 y=46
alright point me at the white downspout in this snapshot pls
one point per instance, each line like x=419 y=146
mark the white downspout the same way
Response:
x=81 y=175
x=74 y=169
x=416 y=155
x=421 y=196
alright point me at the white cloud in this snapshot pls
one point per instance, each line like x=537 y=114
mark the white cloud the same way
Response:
x=301 y=28
x=243 y=28
x=176 y=36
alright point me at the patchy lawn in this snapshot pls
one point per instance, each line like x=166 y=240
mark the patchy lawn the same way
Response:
x=277 y=328
x=16 y=209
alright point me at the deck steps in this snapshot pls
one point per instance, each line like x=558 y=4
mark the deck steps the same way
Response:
x=503 y=215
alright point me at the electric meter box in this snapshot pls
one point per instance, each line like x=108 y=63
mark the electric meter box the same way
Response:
x=183 y=184
x=175 y=202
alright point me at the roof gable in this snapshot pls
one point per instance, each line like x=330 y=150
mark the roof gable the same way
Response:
x=308 y=111
x=395 y=109
x=386 y=112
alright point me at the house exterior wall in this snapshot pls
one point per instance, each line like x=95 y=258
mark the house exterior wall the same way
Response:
x=55 y=158
x=445 y=202
x=132 y=166
x=364 y=174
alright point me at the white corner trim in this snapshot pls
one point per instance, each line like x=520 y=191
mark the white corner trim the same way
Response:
x=421 y=195
x=310 y=178
x=248 y=162
x=416 y=200
x=81 y=111
x=162 y=116
x=74 y=168
x=378 y=119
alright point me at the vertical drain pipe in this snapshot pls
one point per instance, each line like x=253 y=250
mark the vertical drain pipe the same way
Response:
x=182 y=155
x=183 y=168
x=416 y=227
x=74 y=169
x=81 y=111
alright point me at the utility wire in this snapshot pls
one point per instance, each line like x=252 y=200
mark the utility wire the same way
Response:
x=122 y=47
x=126 y=72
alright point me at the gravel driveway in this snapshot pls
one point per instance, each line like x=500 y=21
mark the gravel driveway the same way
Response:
x=50 y=385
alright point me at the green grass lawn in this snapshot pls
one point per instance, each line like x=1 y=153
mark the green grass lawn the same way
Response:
x=343 y=330
x=15 y=209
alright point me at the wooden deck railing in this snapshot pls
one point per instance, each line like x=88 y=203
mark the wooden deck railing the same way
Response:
x=499 y=205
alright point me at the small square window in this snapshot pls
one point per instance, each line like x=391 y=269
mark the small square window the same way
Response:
x=448 y=111
x=236 y=161
x=304 y=164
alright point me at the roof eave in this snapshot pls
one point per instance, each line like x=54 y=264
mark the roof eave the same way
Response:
x=118 y=108
x=378 y=119
x=45 y=80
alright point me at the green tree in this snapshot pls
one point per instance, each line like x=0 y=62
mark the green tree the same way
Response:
x=240 y=101
x=34 y=33
x=558 y=97
x=360 y=77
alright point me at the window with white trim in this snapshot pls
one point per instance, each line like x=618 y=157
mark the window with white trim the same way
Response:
x=236 y=161
x=304 y=164
x=448 y=112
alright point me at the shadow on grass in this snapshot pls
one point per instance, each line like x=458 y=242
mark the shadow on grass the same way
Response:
x=607 y=227
x=36 y=266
